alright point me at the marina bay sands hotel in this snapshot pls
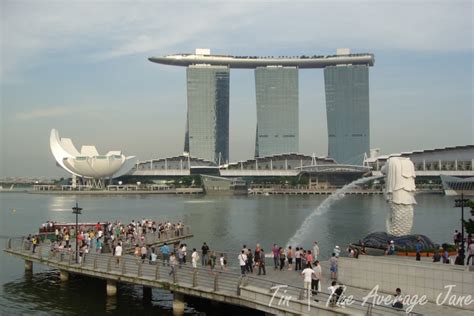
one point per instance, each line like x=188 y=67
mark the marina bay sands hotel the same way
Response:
x=346 y=79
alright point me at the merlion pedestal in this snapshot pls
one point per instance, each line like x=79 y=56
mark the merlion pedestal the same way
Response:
x=399 y=192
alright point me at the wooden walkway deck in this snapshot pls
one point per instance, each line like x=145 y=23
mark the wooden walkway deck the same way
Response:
x=222 y=286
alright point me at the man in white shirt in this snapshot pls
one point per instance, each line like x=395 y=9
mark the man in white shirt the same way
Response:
x=118 y=252
x=307 y=273
x=242 y=261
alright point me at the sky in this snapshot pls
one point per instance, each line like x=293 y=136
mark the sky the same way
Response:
x=81 y=67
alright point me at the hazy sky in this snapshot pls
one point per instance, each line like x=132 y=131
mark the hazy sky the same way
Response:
x=81 y=67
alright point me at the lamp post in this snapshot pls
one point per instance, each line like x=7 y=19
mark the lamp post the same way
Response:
x=77 y=210
x=461 y=203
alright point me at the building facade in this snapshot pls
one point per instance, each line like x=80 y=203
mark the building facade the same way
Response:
x=207 y=127
x=276 y=90
x=347 y=108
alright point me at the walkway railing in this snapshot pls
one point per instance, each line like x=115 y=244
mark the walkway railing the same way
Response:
x=223 y=282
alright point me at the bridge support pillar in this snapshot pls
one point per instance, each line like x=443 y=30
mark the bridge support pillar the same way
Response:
x=111 y=288
x=147 y=294
x=28 y=265
x=63 y=275
x=178 y=304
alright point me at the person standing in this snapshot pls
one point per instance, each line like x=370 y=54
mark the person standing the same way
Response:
x=418 y=248
x=143 y=252
x=307 y=273
x=298 y=259
x=165 y=251
x=333 y=267
x=282 y=258
x=470 y=252
x=205 y=256
x=276 y=256
x=118 y=252
x=317 y=277
x=173 y=263
x=194 y=258
x=223 y=262
x=242 y=261
x=261 y=262
x=289 y=255
x=315 y=251
x=249 y=261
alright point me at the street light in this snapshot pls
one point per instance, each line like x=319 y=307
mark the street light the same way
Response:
x=462 y=202
x=77 y=210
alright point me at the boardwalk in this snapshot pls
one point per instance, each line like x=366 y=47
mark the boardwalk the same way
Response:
x=229 y=287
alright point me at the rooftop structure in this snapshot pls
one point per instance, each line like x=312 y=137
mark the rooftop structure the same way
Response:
x=203 y=56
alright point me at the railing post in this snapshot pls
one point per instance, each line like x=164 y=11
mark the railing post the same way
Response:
x=70 y=258
x=124 y=269
x=95 y=263
x=109 y=264
x=157 y=271
x=83 y=259
x=195 y=283
x=369 y=309
x=216 y=282
x=139 y=272
x=175 y=275
x=9 y=243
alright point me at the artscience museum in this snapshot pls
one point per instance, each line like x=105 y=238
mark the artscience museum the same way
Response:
x=87 y=166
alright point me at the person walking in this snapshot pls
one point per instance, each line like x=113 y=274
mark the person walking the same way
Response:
x=261 y=262
x=307 y=274
x=118 y=252
x=242 y=262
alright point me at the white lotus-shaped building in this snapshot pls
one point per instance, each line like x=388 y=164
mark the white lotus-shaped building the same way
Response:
x=88 y=163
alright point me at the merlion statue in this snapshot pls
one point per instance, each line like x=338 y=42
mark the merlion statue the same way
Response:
x=399 y=192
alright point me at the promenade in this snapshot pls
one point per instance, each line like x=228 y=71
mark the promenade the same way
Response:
x=256 y=292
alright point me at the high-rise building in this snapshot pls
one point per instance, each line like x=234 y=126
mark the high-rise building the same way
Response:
x=347 y=106
x=207 y=127
x=276 y=90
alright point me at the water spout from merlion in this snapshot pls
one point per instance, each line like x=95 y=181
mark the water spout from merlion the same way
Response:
x=400 y=194
x=305 y=228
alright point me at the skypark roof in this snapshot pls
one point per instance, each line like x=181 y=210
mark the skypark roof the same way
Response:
x=256 y=61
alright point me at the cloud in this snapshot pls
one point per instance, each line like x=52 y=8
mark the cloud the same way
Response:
x=43 y=113
x=34 y=32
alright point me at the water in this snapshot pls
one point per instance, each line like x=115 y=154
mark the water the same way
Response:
x=225 y=223
x=337 y=195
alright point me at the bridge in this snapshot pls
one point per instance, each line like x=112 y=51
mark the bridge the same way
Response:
x=276 y=293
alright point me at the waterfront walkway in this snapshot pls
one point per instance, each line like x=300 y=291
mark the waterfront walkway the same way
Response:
x=221 y=286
